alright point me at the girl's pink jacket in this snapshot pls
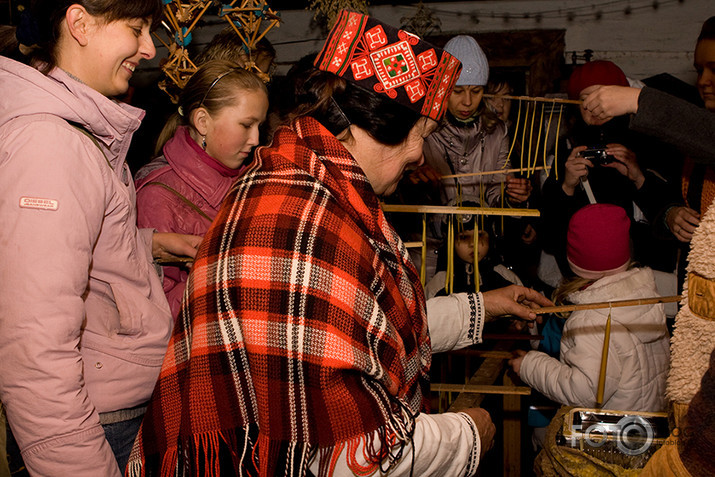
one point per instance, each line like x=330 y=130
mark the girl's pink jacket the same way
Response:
x=84 y=323
x=182 y=170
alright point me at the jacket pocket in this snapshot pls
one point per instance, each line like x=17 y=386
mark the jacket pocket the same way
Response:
x=129 y=313
x=701 y=296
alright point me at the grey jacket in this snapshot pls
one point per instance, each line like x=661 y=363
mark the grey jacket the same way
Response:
x=457 y=150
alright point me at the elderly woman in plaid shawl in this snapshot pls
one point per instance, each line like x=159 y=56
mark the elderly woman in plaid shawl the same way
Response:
x=303 y=345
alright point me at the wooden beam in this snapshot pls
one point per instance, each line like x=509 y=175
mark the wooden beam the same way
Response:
x=446 y=209
x=511 y=428
x=608 y=304
x=488 y=373
x=483 y=353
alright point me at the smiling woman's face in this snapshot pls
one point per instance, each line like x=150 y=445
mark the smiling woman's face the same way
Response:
x=115 y=49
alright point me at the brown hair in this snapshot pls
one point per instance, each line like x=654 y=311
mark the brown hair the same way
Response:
x=707 y=32
x=337 y=103
x=574 y=284
x=214 y=86
x=227 y=45
x=566 y=288
x=47 y=16
x=489 y=117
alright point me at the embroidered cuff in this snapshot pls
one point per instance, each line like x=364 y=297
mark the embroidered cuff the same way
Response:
x=473 y=462
x=477 y=315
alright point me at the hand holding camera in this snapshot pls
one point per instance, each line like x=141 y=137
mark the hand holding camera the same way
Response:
x=575 y=169
x=619 y=157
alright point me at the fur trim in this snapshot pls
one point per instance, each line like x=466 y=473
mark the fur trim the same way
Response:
x=694 y=338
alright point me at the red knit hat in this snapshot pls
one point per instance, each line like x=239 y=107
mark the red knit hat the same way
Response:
x=598 y=242
x=595 y=72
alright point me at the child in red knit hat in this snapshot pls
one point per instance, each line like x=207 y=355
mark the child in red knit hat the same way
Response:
x=599 y=253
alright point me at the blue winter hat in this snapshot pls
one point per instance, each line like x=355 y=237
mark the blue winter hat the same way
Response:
x=475 y=67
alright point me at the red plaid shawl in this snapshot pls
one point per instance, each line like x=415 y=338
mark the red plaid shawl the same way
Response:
x=305 y=329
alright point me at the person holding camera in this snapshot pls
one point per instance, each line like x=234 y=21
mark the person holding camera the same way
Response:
x=603 y=167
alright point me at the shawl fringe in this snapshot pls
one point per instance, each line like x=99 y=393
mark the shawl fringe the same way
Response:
x=236 y=452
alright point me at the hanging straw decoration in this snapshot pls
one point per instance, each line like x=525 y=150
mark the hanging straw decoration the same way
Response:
x=556 y=149
x=523 y=136
x=482 y=200
x=546 y=134
x=516 y=133
x=532 y=169
x=449 y=280
x=529 y=150
x=476 y=257
x=604 y=362
x=250 y=20
x=525 y=128
x=502 y=191
x=423 y=263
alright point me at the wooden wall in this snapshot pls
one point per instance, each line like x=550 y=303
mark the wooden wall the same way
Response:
x=654 y=36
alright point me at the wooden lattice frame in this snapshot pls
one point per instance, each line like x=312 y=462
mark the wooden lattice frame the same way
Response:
x=250 y=20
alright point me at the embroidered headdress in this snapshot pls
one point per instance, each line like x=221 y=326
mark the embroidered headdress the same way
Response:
x=384 y=59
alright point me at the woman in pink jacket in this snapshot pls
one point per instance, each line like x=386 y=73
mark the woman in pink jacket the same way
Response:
x=84 y=321
x=204 y=148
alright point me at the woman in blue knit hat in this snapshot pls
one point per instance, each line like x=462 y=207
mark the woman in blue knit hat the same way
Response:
x=472 y=138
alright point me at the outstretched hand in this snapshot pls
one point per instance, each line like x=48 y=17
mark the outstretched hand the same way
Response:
x=606 y=102
x=518 y=189
x=168 y=246
x=514 y=300
x=425 y=174
x=515 y=362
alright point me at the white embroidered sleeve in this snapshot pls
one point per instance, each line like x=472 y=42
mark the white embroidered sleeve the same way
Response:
x=455 y=321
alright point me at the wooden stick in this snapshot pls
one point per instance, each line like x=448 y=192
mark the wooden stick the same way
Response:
x=196 y=20
x=165 y=261
x=534 y=98
x=483 y=353
x=508 y=336
x=448 y=209
x=498 y=171
x=606 y=304
x=480 y=389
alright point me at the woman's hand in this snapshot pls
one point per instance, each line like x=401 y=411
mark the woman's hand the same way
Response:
x=607 y=102
x=425 y=174
x=486 y=428
x=682 y=222
x=518 y=190
x=625 y=163
x=169 y=246
x=514 y=300
x=529 y=235
x=515 y=362
x=576 y=167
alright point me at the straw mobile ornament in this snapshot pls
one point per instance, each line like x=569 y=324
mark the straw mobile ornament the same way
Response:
x=250 y=20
